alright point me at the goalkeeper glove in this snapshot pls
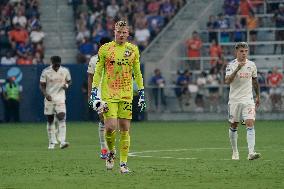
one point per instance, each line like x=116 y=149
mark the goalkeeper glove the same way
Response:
x=96 y=103
x=141 y=102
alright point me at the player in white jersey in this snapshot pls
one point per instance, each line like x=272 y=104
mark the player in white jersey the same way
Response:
x=54 y=80
x=241 y=74
x=91 y=71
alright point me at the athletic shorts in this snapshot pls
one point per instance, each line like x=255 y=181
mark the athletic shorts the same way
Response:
x=238 y=112
x=120 y=109
x=52 y=108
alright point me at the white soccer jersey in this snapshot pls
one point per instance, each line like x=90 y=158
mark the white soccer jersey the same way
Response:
x=241 y=87
x=92 y=64
x=55 y=82
x=92 y=68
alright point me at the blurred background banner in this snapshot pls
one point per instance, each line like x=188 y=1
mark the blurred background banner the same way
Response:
x=31 y=103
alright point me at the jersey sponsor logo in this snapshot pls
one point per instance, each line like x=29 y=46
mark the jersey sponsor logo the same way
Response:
x=244 y=75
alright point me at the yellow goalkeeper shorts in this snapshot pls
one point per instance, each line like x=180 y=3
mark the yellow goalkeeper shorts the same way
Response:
x=120 y=109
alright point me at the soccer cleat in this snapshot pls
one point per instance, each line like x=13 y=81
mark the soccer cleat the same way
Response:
x=235 y=156
x=124 y=169
x=51 y=146
x=64 y=145
x=103 y=153
x=243 y=122
x=110 y=161
x=254 y=156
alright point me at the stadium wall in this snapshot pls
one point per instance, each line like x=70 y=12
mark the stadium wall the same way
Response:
x=31 y=104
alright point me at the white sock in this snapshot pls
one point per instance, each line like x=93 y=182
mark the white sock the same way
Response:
x=62 y=131
x=251 y=139
x=51 y=132
x=102 y=135
x=233 y=135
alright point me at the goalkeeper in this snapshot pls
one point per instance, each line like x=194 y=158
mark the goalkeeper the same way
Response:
x=117 y=61
x=91 y=71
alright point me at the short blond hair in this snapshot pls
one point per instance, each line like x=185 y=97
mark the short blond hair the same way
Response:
x=120 y=24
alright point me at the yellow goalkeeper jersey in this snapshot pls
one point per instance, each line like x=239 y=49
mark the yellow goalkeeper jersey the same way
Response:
x=115 y=66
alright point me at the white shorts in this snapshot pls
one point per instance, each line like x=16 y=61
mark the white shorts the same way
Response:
x=238 y=112
x=52 y=108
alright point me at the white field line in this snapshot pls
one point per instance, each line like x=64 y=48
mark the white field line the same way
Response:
x=141 y=153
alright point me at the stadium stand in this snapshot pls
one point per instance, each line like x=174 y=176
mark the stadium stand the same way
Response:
x=21 y=36
x=95 y=19
x=258 y=22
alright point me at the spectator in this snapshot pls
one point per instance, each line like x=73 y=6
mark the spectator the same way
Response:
x=214 y=80
x=25 y=60
x=215 y=53
x=264 y=91
x=243 y=11
x=167 y=10
x=155 y=23
x=153 y=6
x=33 y=22
x=38 y=59
x=231 y=7
x=37 y=35
x=212 y=27
x=238 y=33
x=182 y=91
x=23 y=48
x=83 y=33
x=223 y=26
x=18 y=35
x=252 y=24
x=262 y=80
x=158 y=82
x=142 y=36
x=257 y=6
x=32 y=9
x=199 y=98
x=8 y=59
x=86 y=48
x=4 y=41
x=274 y=82
x=279 y=24
x=98 y=33
x=112 y=9
x=194 y=45
x=20 y=18
x=83 y=7
x=11 y=93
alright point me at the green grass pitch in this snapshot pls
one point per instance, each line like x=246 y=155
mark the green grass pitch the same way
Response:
x=164 y=155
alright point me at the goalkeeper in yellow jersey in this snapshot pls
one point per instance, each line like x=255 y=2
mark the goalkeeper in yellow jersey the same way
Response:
x=117 y=60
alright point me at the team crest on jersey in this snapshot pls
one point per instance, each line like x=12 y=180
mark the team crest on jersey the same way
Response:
x=249 y=68
x=127 y=53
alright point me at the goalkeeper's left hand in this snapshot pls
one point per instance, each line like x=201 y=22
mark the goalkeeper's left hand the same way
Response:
x=141 y=102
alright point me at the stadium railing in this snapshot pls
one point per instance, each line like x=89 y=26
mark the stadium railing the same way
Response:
x=207 y=106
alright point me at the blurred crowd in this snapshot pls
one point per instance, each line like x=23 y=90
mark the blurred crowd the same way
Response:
x=202 y=87
x=95 y=19
x=21 y=36
x=204 y=91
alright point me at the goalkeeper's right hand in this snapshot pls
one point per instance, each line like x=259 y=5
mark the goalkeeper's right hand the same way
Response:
x=96 y=103
x=141 y=102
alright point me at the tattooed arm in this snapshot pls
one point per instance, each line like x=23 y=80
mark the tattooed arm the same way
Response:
x=255 y=86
